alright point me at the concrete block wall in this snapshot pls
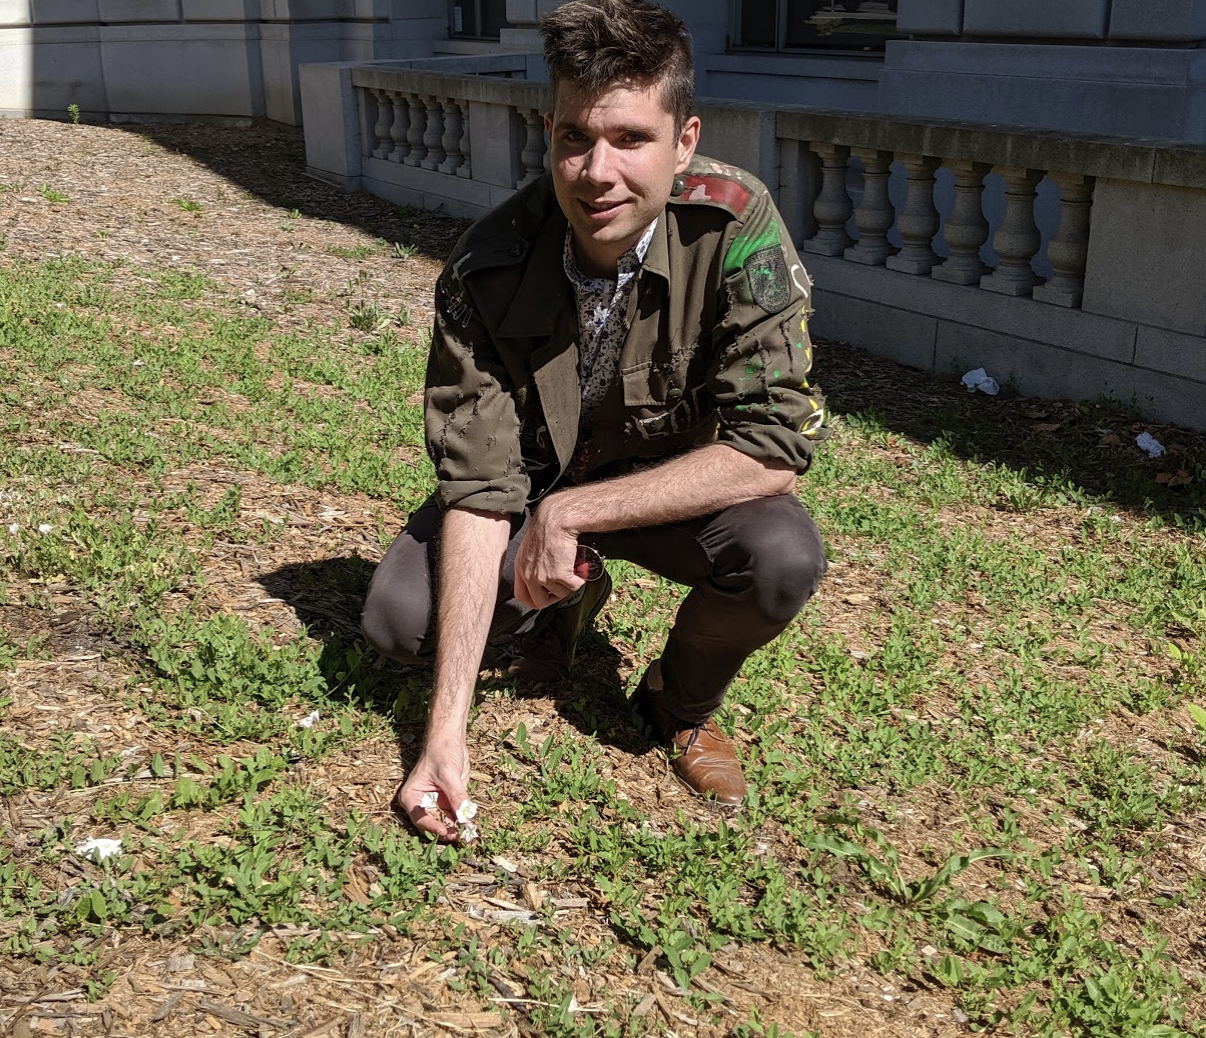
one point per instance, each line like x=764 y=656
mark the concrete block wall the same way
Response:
x=1158 y=21
x=1052 y=65
x=120 y=58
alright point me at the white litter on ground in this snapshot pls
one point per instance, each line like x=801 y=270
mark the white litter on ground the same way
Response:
x=1147 y=443
x=309 y=721
x=98 y=849
x=981 y=380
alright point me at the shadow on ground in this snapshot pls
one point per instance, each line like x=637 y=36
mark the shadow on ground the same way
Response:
x=327 y=595
x=1055 y=443
x=269 y=161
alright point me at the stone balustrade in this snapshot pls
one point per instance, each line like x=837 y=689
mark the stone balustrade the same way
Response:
x=962 y=247
x=1056 y=261
x=460 y=141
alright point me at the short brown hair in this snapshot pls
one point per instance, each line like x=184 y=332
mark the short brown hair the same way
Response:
x=595 y=45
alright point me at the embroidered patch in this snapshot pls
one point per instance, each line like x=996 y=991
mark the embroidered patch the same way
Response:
x=770 y=283
x=713 y=189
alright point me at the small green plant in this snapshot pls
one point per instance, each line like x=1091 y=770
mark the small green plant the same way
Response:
x=51 y=195
x=403 y=250
x=73 y=111
x=188 y=205
x=356 y=252
x=367 y=316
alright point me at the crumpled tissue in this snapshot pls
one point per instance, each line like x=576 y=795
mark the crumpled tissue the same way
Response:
x=1147 y=443
x=98 y=849
x=468 y=832
x=981 y=380
x=309 y=721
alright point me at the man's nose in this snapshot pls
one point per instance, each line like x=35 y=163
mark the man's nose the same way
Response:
x=599 y=167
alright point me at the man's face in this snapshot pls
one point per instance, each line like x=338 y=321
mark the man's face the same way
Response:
x=614 y=158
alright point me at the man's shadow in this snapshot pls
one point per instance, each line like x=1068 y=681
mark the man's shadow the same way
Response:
x=327 y=595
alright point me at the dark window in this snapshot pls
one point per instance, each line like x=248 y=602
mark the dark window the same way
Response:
x=792 y=24
x=477 y=19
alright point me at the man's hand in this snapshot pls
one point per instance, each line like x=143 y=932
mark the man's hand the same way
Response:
x=443 y=770
x=544 y=564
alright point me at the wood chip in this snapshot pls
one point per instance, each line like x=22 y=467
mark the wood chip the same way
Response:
x=468 y=1022
x=165 y=1010
x=323 y=1028
x=645 y=1005
x=669 y=985
x=238 y=1016
x=645 y=966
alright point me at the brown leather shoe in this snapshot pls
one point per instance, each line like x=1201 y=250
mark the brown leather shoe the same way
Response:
x=701 y=755
x=546 y=652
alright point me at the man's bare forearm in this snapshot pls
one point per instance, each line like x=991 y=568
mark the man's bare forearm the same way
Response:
x=704 y=481
x=472 y=545
x=701 y=482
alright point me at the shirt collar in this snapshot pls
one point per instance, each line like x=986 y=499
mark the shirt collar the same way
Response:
x=627 y=265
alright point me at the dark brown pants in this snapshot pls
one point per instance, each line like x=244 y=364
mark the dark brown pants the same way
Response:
x=750 y=568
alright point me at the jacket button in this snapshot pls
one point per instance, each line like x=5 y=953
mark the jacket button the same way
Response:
x=675 y=395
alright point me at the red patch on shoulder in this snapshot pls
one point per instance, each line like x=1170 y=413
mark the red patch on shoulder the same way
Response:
x=717 y=189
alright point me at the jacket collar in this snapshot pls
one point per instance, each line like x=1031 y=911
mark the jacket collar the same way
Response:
x=545 y=289
x=657 y=259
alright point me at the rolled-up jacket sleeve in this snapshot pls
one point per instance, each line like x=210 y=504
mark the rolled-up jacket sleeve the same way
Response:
x=469 y=411
x=767 y=407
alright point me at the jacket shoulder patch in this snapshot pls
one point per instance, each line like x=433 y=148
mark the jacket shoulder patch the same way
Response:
x=719 y=190
x=770 y=283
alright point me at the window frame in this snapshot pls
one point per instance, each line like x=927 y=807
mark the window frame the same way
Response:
x=848 y=42
x=477 y=6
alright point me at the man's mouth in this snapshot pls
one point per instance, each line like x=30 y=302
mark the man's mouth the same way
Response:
x=600 y=208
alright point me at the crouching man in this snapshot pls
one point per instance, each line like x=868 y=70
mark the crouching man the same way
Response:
x=619 y=368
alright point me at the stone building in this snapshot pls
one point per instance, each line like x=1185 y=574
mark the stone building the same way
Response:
x=1016 y=185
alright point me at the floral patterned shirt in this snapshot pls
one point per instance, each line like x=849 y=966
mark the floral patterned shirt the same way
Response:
x=602 y=309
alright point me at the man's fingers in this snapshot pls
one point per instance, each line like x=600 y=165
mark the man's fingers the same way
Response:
x=521 y=590
x=424 y=820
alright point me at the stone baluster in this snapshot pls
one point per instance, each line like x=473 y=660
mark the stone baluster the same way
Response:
x=433 y=135
x=533 y=152
x=874 y=215
x=1069 y=249
x=453 y=133
x=833 y=207
x=399 y=127
x=385 y=119
x=416 y=131
x=1017 y=239
x=965 y=229
x=465 y=169
x=917 y=221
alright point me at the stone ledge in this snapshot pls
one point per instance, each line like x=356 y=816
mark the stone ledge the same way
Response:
x=1173 y=354
x=1062 y=327
x=1148 y=161
x=1032 y=368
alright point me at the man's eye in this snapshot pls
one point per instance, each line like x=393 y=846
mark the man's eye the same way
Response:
x=635 y=138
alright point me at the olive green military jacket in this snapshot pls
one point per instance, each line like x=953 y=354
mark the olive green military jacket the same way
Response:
x=717 y=347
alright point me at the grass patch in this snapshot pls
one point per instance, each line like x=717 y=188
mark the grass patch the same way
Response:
x=976 y=757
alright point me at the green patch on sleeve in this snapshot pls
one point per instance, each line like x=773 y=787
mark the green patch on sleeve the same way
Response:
x=744 y=247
